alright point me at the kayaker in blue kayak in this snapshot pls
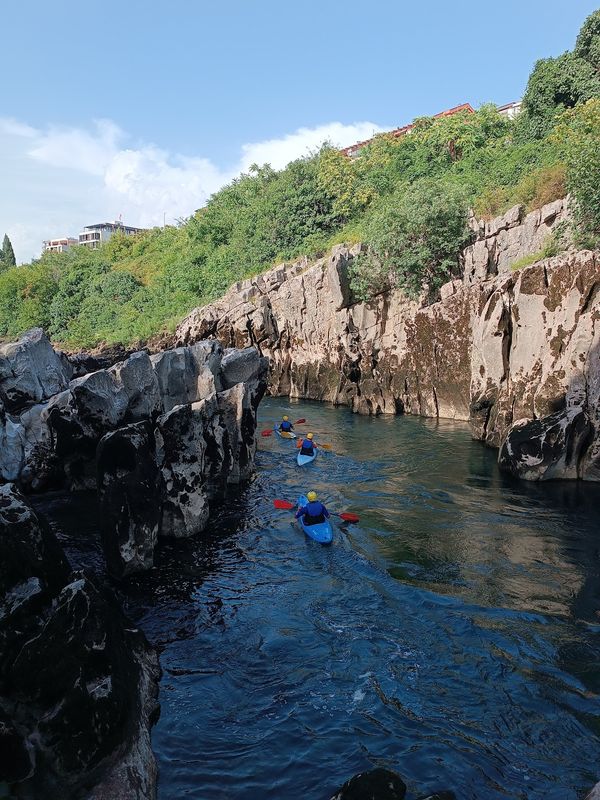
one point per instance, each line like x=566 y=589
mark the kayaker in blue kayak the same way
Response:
x=285 y=425
x=314 y=512
x=307 y=446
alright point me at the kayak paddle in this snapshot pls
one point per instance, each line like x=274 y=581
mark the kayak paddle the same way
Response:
x=269 y=431
x=316 y=444
x=285 y=504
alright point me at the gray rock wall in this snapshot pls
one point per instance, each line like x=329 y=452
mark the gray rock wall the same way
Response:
x=498 y=348
x=160 y=436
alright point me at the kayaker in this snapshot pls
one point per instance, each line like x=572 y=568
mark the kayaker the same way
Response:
x=314 y=512
x=307 y=446
x=285 y=425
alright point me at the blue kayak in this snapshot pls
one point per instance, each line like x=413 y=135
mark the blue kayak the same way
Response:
x=284 y=434
x=302 y=460
x=322 y=532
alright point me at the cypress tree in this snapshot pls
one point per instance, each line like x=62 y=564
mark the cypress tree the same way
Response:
x=8 y=254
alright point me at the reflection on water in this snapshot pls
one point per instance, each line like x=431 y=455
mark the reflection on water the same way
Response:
x=451 y=635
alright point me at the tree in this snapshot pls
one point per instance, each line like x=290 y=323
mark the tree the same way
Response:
x=579 y=139
x=414 y=238
x=557 y=84
x=7 y=258
x=588 y=41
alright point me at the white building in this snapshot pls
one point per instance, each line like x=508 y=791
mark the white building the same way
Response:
x=94 y=235
x=59 y=245
x=510 y=110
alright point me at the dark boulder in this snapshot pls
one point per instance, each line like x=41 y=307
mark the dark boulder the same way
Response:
x=130 y=489
x=548 y=448
x=376 y=784
x=78 y=685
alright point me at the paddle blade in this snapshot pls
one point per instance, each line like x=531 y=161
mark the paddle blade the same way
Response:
x=347 y=517
x=324 y=446
x=284 y=504
x=266 y=433
x=299 y=421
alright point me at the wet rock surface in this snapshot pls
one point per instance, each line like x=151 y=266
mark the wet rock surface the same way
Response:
x=381 y=784
x=497 y=347
x=78 y=684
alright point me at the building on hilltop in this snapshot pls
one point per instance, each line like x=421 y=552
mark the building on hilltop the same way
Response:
x=398 y=132
x=93 y=236
x=60 y=245
x=509 y=110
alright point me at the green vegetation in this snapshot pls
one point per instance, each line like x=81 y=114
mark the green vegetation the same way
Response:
x=414 y=238
x=407 y=198
x=7 y=254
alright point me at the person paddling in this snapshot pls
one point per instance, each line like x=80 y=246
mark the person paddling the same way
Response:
x=314 y=512
x=285 y=425
x=308 y=446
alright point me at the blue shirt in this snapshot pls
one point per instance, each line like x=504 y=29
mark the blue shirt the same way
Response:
x=286 y=426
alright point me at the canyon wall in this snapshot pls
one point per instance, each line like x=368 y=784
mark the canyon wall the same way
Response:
x=160 y=437
x=514 y=352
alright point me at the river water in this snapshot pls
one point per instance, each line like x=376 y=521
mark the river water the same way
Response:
x=451 y=635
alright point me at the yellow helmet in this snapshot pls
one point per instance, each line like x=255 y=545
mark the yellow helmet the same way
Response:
x=285 y=417
x=311 y=497
x=309 y=435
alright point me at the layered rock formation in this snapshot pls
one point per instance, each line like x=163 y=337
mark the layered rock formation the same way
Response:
x=499 y=348
x=160 y=436
x=78 y=685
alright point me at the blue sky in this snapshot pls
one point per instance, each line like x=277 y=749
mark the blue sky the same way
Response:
x=144 y=108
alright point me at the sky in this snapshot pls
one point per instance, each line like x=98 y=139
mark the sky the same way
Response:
x=144 y=109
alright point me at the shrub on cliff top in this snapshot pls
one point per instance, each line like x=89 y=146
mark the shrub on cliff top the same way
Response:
x=414 y=238
x=578 y=136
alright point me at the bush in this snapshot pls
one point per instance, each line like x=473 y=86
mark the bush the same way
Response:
x=542 y=186
x=579 y=139
x=415 y=238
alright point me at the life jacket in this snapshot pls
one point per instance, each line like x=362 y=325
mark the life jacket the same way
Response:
x=308 y=447
x=285 y=426
x=314 y=513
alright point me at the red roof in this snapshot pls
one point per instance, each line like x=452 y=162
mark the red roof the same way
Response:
x=397 y=132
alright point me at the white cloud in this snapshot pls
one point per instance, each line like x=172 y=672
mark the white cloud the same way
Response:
x=73 y=148
x=279 y=152
x=59 y=179
x=12 y=127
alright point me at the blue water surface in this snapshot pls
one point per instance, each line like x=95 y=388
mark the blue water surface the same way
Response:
x=452 y=635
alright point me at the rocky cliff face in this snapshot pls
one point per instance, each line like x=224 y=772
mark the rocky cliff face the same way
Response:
x=159 y=436
x=78 y=684
x=502 y=349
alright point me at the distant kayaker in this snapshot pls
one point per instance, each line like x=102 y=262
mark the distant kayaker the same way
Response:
x=308 y=446
x=314 y=512
x=285 y=425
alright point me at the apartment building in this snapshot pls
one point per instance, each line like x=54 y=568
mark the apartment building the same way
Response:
x=93 y=236
x=59 y=245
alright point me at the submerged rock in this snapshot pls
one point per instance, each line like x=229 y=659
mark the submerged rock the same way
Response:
x=78 y=685
x=376 y=784
x=381 y=784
